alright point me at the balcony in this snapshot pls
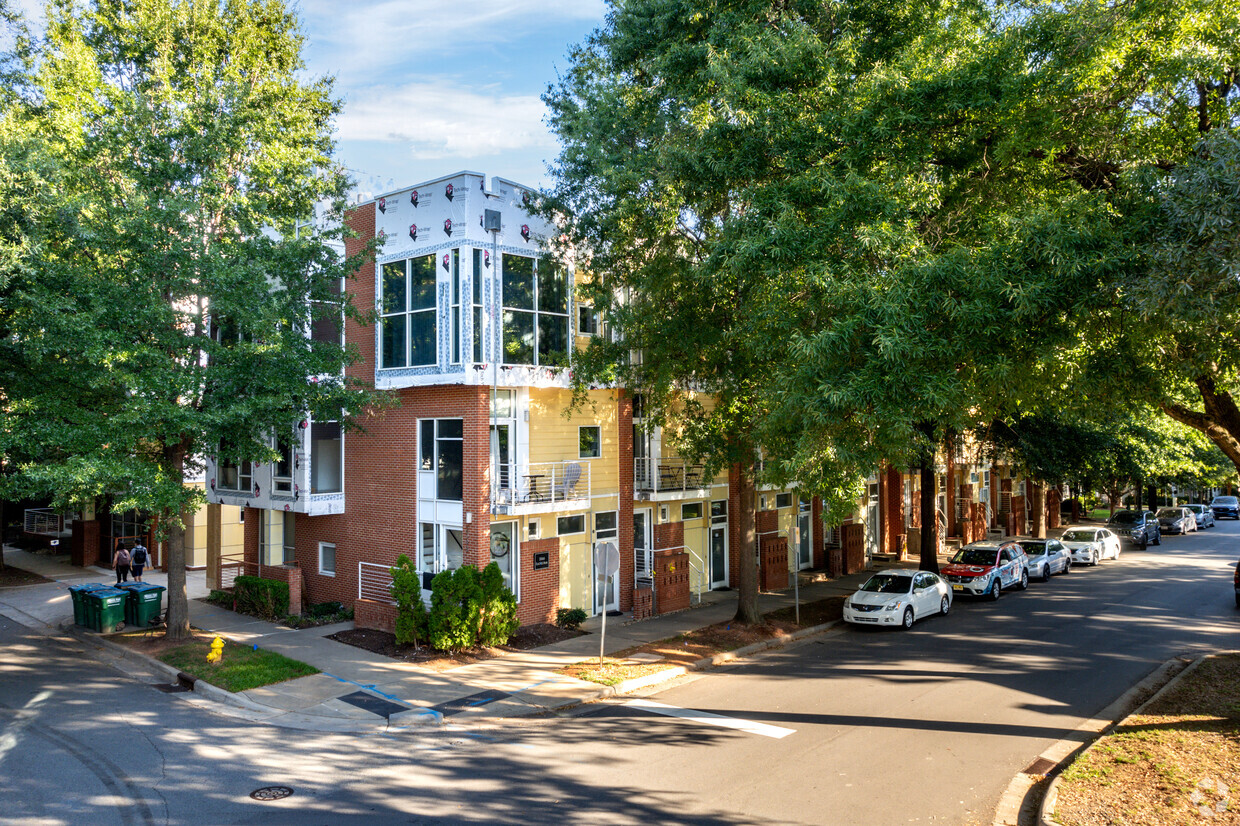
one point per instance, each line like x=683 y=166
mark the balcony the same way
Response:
x=668 y=478
x=539 y=487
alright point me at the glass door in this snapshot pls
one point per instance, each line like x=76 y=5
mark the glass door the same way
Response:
x=805 y=555
x=501 y=464
x=719 y=544
x=643 y=553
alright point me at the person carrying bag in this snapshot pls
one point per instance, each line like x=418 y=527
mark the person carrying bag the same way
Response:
x=138 y=559
x=121 y=563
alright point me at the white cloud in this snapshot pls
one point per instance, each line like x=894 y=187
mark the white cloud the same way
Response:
x=371 y=37
x=438 y=120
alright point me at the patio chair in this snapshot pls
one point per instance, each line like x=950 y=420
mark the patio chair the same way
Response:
x=565 y=489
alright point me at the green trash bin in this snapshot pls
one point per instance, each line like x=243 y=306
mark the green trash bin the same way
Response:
x=78 y=594
x=128 y=588
x=144 y=605
x=105 y=610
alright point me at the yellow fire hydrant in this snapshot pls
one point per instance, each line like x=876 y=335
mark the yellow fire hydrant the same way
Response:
x=217 y=650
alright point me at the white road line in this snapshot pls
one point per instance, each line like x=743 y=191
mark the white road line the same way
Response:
x=710 y=718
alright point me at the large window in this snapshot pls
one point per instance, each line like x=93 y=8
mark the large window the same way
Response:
x=480 y=273
x=282 y=477
x=589 y=442
x=535 y=311
x=326 y=455
x=233 y=475
x=407 y=306
x=455 y=264
x=440 y=450
x=441 y=548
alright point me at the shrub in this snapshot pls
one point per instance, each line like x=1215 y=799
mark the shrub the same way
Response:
x=570 y=618
x=265 y=598
x=224 y=599
x=499 y=608
x=456 y=609
x=411 y=619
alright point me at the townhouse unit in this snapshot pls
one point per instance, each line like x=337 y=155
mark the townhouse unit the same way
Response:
x=479 y=456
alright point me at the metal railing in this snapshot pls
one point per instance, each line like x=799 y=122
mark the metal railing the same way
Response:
x=374 y=582
x=652 y=475
x=43 y=520
x=540 y=483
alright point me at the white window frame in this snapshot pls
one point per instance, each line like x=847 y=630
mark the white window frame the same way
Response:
x=323 y=571
x=598 y=441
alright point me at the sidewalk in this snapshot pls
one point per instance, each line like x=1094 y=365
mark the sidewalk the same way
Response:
x=359 y=690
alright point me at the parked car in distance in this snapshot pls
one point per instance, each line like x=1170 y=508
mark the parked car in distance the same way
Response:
x=898 y=597
x=1226 y=507
x=1046 y=557
x=987 y=568
x=1139 y=527
x=1176 y=519
x=1203 y=515
x=1090 y=545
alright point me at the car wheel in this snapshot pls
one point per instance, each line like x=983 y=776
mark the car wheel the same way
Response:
x=1145 y=543
x=908 y=617
x=995 y=590
x=1067 y=566
x=1158 y=538
x=945 y=605
x=1046 y=573
x=1024 y=579
x=1093 y=558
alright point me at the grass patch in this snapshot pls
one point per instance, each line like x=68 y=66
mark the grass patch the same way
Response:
x=241 y=668
x=1176 y=763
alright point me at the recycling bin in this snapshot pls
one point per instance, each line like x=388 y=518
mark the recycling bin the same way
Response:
x=77 y=593
x=105 y=610
x=144 y=604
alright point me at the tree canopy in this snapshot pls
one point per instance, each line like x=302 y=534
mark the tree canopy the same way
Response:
x=167 y=168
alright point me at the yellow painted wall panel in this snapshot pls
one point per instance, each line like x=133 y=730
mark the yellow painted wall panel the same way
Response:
x=554 y=438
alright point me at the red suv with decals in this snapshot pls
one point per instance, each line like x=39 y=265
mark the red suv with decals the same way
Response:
x=987 y=569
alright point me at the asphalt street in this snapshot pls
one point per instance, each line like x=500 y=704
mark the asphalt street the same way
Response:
x=858 y=726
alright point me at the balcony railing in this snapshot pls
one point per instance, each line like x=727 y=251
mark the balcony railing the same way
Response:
x=668 y=475
x=538 y=485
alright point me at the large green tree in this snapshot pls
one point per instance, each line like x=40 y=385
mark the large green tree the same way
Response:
x=164 y=309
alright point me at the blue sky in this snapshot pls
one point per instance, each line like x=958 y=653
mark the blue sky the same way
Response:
x=432 y=87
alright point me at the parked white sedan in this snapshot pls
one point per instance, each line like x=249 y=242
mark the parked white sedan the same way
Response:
x=1090 y=545
x=898 y=597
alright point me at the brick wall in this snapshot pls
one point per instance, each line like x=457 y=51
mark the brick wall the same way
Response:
x=380 y=616
x=766 y=521
x=643 y=603
x=540 y=590
x=893 y=511
x=773 y=573
x=624 y=537
x=671 y=581
x=292 y=576
x=85 y=549
x=852 y=537
x=668 y=535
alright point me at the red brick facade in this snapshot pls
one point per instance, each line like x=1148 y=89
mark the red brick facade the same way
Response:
x=773 y=574
x=671 y=581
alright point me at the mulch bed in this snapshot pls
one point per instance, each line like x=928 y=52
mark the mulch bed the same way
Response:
x=10 y=576
x=383 y=642
x=704 y=642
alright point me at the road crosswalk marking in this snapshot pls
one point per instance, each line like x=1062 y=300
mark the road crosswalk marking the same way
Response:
x=711 y=718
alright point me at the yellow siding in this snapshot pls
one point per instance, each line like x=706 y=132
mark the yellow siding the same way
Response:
x=232 y=535
x=554 y=438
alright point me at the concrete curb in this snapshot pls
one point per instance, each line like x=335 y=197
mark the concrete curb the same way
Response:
x=1052 y=791
x=1060 y=754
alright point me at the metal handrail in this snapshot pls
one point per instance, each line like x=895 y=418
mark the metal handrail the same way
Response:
x=374 y=584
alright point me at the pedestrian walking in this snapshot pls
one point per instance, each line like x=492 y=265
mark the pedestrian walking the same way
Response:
x=121 y=563
x=137 y=560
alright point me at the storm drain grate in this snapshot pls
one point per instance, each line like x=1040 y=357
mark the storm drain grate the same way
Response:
x=271 y=793
x=1039 y=766
x=373 y=704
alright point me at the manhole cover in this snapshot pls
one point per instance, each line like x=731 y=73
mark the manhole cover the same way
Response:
x=271 y=793
x=1040 y=766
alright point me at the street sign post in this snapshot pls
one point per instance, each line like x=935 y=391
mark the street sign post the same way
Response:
x=606 y=565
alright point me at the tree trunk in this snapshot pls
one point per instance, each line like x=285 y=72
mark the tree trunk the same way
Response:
x=178 y=598
x=747 y=583
x=929 y=522
x=1037 y=496
x=1220 y=419
x=1153 y=497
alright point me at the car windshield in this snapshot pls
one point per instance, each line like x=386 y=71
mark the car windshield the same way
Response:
x=1170 y=513
x=975 y=556
x=1197 y=508
x=888 y=584
x=1078 y=536
x=1124 y=517
x=1225 y=500
x=1034 y=548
